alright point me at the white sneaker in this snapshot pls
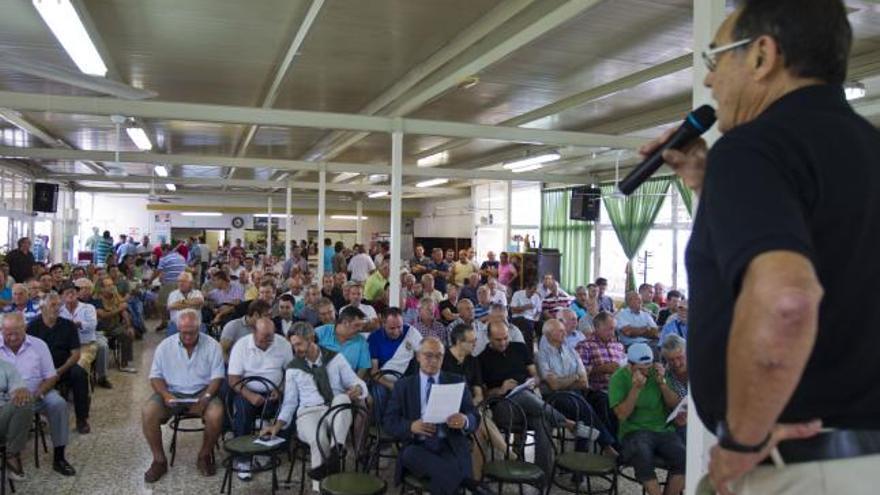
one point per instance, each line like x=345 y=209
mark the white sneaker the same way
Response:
x=584 y=431
x=244 y=470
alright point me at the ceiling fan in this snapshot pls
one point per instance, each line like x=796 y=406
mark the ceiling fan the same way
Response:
x=159 y=198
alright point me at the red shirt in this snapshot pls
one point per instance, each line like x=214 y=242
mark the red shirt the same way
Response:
x=236 y=252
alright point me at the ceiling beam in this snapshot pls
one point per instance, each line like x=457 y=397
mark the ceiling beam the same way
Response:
x=287 y=165
x=281 y=71
x=627 y=82
x=18 y=120
x=37 y=102
x=471 y=35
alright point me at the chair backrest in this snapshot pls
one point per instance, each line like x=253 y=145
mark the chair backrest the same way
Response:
x=379 y=393
x=268 y=411
x=577 y=408
x=359 y=417
x=509 y=417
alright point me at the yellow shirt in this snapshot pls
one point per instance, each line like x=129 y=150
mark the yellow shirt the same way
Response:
x=461 y=272
x=374 y=286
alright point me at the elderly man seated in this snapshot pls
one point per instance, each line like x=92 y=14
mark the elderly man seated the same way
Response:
x=186 y=375
x=22 y=303
x=316 y=380
x=602 y=355
x=561 y=370
x=635 y=325
x=62 y=337
x=93 y=343
x=672 y=350
x=345 y=338
x=569 y=319
x=185 y=296
x=642 y=399
x=15 y=417
x=525 y=310
x=438 y=452
x=33 y=360
x=497 y=314
x=553 y=299
x=677 y=325
x=427 y=324
x=263 y=354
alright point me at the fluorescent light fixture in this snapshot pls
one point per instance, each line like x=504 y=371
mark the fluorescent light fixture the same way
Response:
x=533 y=160
x=67 y=27
x=528 y=168
x=201 y=214
x=160 y=170
x=171 y=187
x=378 y=194
x=139 y=137
x=854 y=90
x=432 y=182
x=344 y=176
x=433 y=160
x=266 y=215
x=346 y=217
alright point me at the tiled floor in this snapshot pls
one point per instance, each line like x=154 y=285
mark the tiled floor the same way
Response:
x=112 y=459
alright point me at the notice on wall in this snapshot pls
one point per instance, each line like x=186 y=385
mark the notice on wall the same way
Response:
x=162 y=227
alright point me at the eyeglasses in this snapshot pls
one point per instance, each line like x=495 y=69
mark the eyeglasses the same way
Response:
x=710 y=56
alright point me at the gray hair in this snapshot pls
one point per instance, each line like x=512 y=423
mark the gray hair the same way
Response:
x=431 y=339
x=303 y=330
x=673 y=343
x=189 y=313
x=52 y=295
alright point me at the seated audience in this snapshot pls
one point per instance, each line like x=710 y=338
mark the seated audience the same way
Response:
x=185 y=296
x=497 y=314
x=677 y=325
x=410 y=303
x=308 y=311
x=187 y=365
x=672 y=300
x=375 y=283
x=646 y=292
x=426 y=323
x=497 y=295
x=448 y=307
x=314 y=381
x=440 y=271
x=484 y=301
x=224 y=297
x=17 y=417
x=525 y=310
x=331 y=291
x=264 y=354
x=641 y=399
x=569 y=320
x=553 y=298
x=355 y=301
x=345 y=338
x=605 y=302
x=469 y=290
x=62 y=337
x=94 y=344
x=439 y=453
x=326 y=312
x=660 y=294
x=244 y=326
x=672 y=349
x=505 y=365
x=602 y=355
x=22 y=303
x=392 y=347
x=284 y=320
x=116 y=323
x=561 y=370
x=33 y=360
x=428 y=290
x=635 y=325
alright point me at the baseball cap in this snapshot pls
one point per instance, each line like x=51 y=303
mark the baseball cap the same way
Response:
x=640 y=353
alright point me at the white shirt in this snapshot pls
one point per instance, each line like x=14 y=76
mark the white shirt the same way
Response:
x=236 y=272
x=423 y=382
x=482 y=331
x=437 y=296
x=87 y=316
x=185 y=374
x=246 y=359
x=360 y=267
x=176 y=296
x=300 y=388
x=368 y=311
x=521 y=299
x=404 y=352
x=499 y=297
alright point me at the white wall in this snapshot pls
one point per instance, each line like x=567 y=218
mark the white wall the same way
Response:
x=445 y=218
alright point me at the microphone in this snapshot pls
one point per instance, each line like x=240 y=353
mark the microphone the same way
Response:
x=696 y=123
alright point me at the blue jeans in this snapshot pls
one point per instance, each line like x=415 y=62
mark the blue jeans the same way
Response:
x=136 y=309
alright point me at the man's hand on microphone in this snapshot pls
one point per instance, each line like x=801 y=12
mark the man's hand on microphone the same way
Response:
x=689 y=163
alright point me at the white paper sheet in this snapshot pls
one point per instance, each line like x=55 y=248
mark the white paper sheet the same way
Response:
x=681 y=407
x=270 y=442
x=523 y=386
x=445 y=400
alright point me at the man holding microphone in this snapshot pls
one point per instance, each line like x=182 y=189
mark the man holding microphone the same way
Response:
x=782 y=356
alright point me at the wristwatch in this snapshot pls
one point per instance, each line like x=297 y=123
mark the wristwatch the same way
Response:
x=207 y=396
x=727 y=442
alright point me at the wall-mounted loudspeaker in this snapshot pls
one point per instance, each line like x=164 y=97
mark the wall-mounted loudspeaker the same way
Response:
x=45 y=197
x=585 y=203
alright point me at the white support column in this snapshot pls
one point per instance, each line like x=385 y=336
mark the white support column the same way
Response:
x=322 y=213
x=359 y=224
x=508 y=209
x=3 y=189
x=396 y=220
x=675 y=246
x=288 y=222
x=708 y=15
x=269 y=227
x=29 y=207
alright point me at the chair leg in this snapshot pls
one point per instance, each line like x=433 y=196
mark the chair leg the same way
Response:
x=302 y=477
x=173 y=448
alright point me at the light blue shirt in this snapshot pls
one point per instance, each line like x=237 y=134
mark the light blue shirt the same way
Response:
x=86 y=315
x=328 y=259
x=355 y=350
x=423 y=381
x=626 y=318
x=562 y=362
x=673 y=326
x=187 y=374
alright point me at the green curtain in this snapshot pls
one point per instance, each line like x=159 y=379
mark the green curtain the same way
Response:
x=687 y=195
x=632 y=217
x=571 y=237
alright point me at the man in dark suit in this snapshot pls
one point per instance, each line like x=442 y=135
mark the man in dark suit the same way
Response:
x=438 y=452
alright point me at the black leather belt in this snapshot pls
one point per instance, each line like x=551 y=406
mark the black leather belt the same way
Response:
x=826 y=446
